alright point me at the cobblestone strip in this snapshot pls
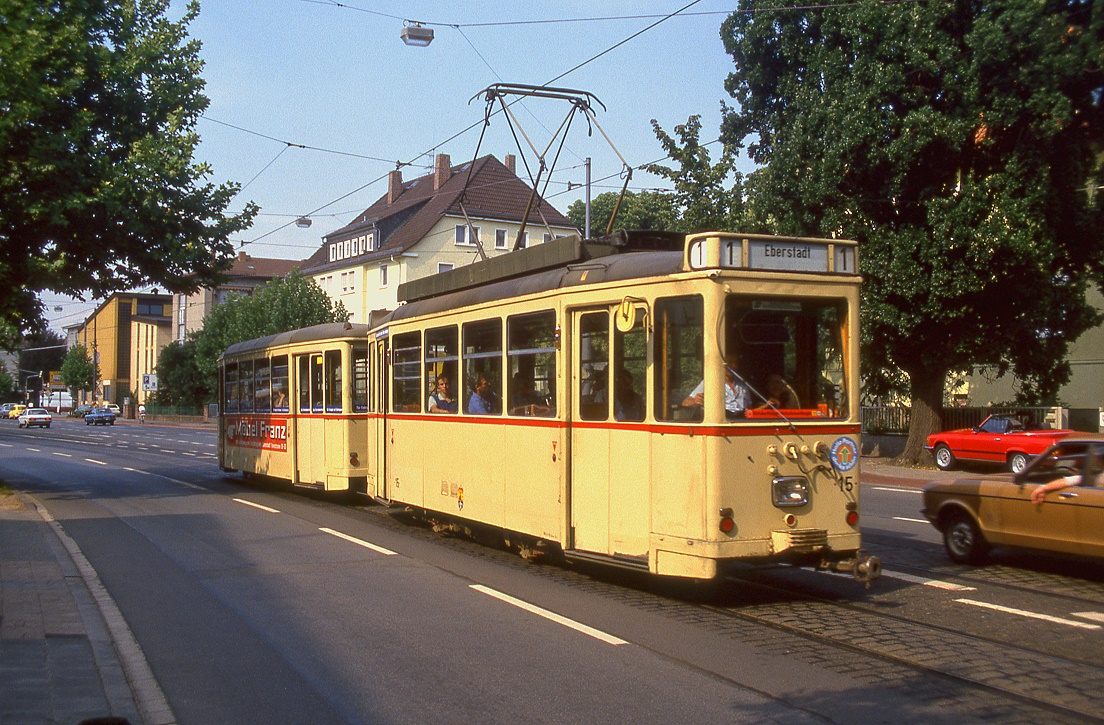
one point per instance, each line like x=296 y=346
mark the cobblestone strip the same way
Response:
x=1052 y=680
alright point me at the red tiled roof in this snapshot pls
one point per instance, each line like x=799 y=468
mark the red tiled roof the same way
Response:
x=246 y=266
x=494 y=192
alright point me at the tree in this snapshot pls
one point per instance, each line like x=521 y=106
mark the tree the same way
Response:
x=98 y=190
x=179 y=381
x=281 y=305
x=639 y=210
x=79 y=370
x=43 y=351
x=955 y=141
x=7 y=386
x=704 y=202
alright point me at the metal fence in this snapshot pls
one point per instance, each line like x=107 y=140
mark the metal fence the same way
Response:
x=879 y=420
x=158 y=409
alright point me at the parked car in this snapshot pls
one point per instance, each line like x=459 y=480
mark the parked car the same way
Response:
x=999 y=439
x=15 y=411
x=80 y=410
x=35 y=416
x=5 y=408
x=975 y=514
x=99 y=416
x=114 y=408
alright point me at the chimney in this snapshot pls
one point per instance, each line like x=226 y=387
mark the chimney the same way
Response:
x=394 y=186
x=242 y=256
x=511 y=163
x=442 y=171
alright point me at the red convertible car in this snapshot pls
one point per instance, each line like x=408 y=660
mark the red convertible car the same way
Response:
x=999 y=439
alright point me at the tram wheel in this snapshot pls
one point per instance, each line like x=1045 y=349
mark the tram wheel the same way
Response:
x=944 y=459
x=963 y=540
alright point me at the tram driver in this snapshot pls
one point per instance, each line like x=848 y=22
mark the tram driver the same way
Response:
x=736 y=396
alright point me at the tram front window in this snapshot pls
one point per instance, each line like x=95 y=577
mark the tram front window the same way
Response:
x=788 y=354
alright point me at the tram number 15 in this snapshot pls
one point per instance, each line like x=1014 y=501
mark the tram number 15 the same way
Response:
x=846 y=483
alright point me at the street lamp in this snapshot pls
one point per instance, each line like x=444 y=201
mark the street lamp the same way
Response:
x=416 y=34
x=303 y=222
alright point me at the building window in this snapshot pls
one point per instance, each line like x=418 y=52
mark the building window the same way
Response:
x=443 y=267
x=500 y=238
x=333 y=252
x=547 y=237
x=524 y=240
x=344 y=283
x=352 y=281
x=383 y=275
x=466 y=237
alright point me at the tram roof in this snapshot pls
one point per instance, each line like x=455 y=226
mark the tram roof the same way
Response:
x=591 y=262
x=327 y=331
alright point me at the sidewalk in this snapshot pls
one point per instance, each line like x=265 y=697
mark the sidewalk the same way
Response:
x=882 y=472
x=58 y=662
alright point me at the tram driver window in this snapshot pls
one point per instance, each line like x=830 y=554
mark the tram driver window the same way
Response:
x=230 y=386
x=304 y=384
x=531 y=353
x=791 y=355
x=482 y=393
x=679 y=353
x=316 y=385
x=441 y=385
x=406 y=380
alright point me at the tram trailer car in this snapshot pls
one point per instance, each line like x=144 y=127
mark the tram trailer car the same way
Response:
x=293 y=406
x=670 y=403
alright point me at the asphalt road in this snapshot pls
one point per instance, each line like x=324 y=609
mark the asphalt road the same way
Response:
x=254 y=604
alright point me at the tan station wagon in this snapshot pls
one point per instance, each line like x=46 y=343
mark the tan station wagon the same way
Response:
x=1067 y=516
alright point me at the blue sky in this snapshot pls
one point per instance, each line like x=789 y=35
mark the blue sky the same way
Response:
x=335 y=78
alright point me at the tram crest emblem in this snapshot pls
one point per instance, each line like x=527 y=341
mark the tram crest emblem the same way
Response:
x=844 y=454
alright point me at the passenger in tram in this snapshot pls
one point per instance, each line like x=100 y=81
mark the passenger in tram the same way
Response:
x=441 y=400
x=524 y=398
x=280 y=401
x=483 y=400
x=627 y=403
x=736 y=395
x=780 y=394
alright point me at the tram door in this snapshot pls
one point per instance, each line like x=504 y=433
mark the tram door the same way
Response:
x=377 y=405
x=310 y=431
x=609 y=481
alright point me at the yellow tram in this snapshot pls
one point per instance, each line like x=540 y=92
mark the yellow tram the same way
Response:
x=667 y=402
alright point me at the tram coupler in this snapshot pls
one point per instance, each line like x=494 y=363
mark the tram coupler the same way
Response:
x=865 y=567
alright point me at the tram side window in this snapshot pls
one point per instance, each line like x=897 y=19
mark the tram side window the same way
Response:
x=441 y=358
x=630 y=355
x=230 y=387
x=280 y=384
x=531 y=353
x=262 y=391
x=360 y=380
x=332 y=362
x=483 y=368
x=316 y=384
x=791 y=354
x=406 y=381
x=245 y=382
x=594 y=366
x=679 y=351
x=304 y=384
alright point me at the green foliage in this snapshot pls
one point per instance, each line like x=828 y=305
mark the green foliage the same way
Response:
x=46 y=353
x=955 y=141
x=639 y=210
x=98 y=191
x=704 y=201
x=7 y=387
x=78 y=370
x=281 y=305
x=179 y=381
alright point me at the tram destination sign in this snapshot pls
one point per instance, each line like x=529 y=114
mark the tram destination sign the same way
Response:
x=775 y=254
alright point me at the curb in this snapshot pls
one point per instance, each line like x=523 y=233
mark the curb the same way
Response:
x=152 y=704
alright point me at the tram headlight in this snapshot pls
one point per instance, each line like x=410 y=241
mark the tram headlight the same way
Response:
x=790 y=491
